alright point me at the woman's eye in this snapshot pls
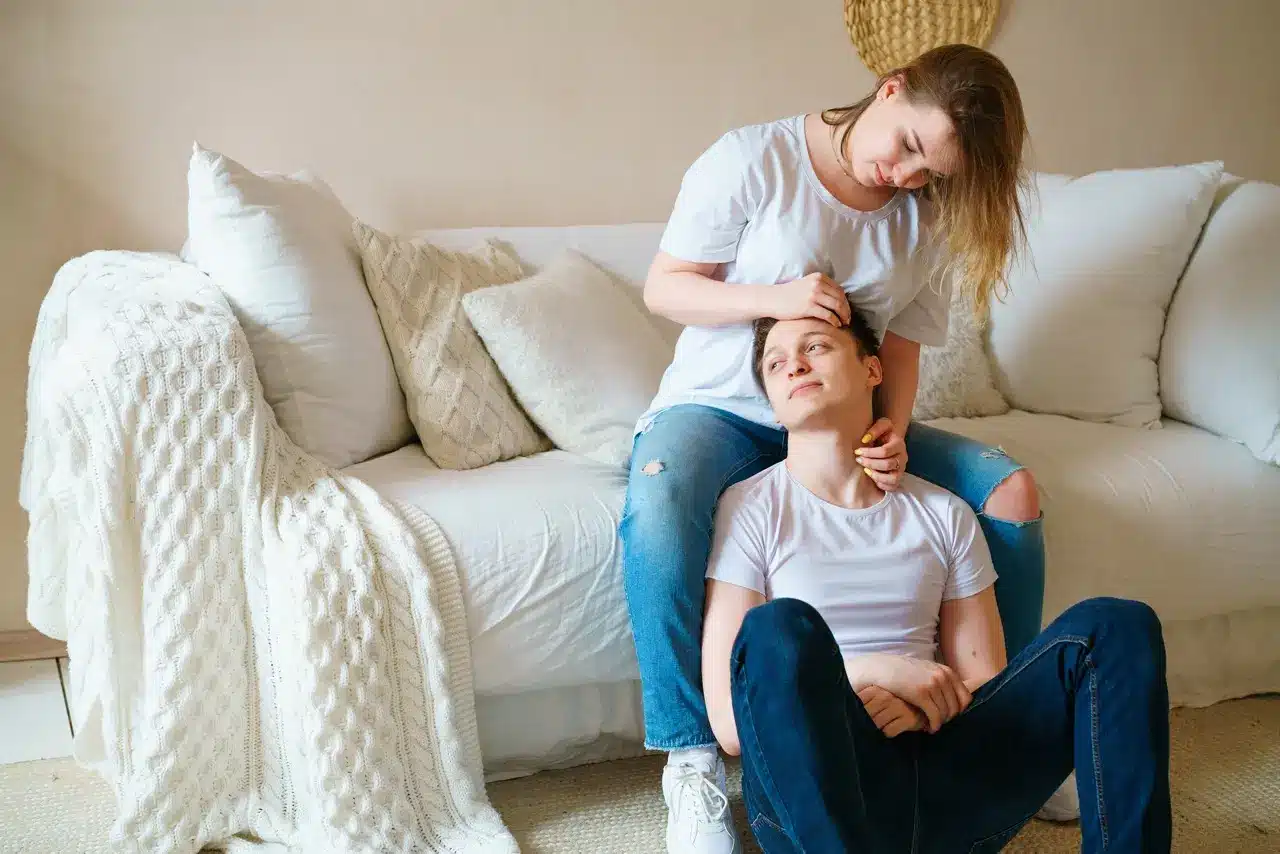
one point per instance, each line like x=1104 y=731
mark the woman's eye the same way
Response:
x=907 y=145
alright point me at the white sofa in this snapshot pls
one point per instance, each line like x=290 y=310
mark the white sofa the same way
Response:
x=1184 y=517
x=1177 y=517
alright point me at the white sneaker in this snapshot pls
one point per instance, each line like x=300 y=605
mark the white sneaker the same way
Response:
x=1064 y=804
x=698 y=818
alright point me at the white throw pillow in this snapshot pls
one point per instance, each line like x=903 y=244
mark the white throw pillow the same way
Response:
x=464 y=413
x=1220 y=357
x=955 y=379
x=280 y=249
x=582 y=360
x=1079 y=333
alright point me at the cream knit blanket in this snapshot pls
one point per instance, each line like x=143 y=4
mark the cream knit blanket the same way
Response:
x=263 y=650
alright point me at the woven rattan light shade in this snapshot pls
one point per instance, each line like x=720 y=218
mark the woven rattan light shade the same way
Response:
x=890 y=33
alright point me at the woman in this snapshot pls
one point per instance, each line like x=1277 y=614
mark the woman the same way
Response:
x=889 y=199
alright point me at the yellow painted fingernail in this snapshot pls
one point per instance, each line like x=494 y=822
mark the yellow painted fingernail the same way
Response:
x=866 y=438
x=867 y=470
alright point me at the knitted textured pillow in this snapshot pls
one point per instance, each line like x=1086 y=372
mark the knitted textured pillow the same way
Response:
x=956 y=379
x=458 y=401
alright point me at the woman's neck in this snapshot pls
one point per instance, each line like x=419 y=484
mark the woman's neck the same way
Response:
x=822 y=142
x=823 y=462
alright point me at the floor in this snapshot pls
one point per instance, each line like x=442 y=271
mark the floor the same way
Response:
x=1224 y=763
x=35 y=721
x=1224 y=772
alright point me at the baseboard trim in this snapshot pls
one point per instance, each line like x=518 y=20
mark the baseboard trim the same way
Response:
x=28 y=645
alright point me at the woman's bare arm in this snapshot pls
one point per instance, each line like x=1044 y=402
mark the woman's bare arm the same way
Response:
x=900 y=359
x=971 y=638
x=727 y=606
x=686 y=292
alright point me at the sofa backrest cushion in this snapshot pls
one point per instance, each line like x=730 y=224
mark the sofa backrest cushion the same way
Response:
x=281 y=249
x=624 y=250
x=1079 y=333
x=1220 y=357
x=581 y=359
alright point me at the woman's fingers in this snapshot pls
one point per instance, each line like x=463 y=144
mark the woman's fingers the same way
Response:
x=879 y=463
x=832 y=305
x=880 y=452
x=877 y=430
x=887 y=481
x=821 y=312
x=842 y=307
x=884 y=463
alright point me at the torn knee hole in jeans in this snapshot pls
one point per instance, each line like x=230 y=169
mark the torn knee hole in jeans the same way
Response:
x=653 y=467
x=994 y=453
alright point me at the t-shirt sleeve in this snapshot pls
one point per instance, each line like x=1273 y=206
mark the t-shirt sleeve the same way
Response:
x=924 y=320
x=713 y=205
x=970 y=571
x=738 y=546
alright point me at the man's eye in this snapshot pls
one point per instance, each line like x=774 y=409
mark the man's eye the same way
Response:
x=815 y=347
x=773 y=366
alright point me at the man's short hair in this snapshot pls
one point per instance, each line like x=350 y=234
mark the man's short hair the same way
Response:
x=859 y=327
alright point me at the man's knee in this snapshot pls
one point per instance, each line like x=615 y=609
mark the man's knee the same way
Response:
x=782 y=619
x=1128 y=622
x=1016 y=499
x=785 y=637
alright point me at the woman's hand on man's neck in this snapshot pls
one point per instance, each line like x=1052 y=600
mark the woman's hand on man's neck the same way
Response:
x=823 y=461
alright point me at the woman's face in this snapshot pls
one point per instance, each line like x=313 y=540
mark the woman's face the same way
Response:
x=897 y=143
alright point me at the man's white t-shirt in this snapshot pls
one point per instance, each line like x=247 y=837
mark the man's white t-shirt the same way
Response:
x=753 y=203
x=878 y=575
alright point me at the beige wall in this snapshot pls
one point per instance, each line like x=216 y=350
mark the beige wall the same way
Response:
x=428 y=113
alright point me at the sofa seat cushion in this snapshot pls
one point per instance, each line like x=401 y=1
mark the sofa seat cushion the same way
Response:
x=1179 y=518
x=536 y=546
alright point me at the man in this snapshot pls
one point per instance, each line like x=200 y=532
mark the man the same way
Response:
x=853 y=652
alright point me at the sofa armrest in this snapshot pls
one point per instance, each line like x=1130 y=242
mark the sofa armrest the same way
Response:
x=129 y=348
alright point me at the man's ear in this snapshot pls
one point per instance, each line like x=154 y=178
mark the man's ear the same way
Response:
x=875 y=371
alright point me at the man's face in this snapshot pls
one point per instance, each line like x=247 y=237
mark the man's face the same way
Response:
x=813 y=374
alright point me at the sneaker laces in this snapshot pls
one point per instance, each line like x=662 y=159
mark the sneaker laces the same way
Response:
x=711 y=803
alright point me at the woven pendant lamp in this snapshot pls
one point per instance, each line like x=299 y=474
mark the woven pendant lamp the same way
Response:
x=890 y=33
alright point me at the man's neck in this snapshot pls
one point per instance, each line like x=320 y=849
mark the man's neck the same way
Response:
x=823 y=461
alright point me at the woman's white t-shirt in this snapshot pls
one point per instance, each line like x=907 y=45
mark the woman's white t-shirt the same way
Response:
x=878 y=576
x=753 y=203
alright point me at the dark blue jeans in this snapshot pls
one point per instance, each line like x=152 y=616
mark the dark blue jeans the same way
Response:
x=819 y=777
x=679 y=468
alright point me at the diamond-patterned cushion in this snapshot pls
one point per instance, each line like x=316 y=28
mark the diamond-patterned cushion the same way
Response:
x=458 y=401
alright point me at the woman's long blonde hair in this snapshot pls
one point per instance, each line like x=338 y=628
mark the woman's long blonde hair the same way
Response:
x=979 y=211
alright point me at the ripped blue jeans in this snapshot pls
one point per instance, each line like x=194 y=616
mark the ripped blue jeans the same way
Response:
x=679 y=467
